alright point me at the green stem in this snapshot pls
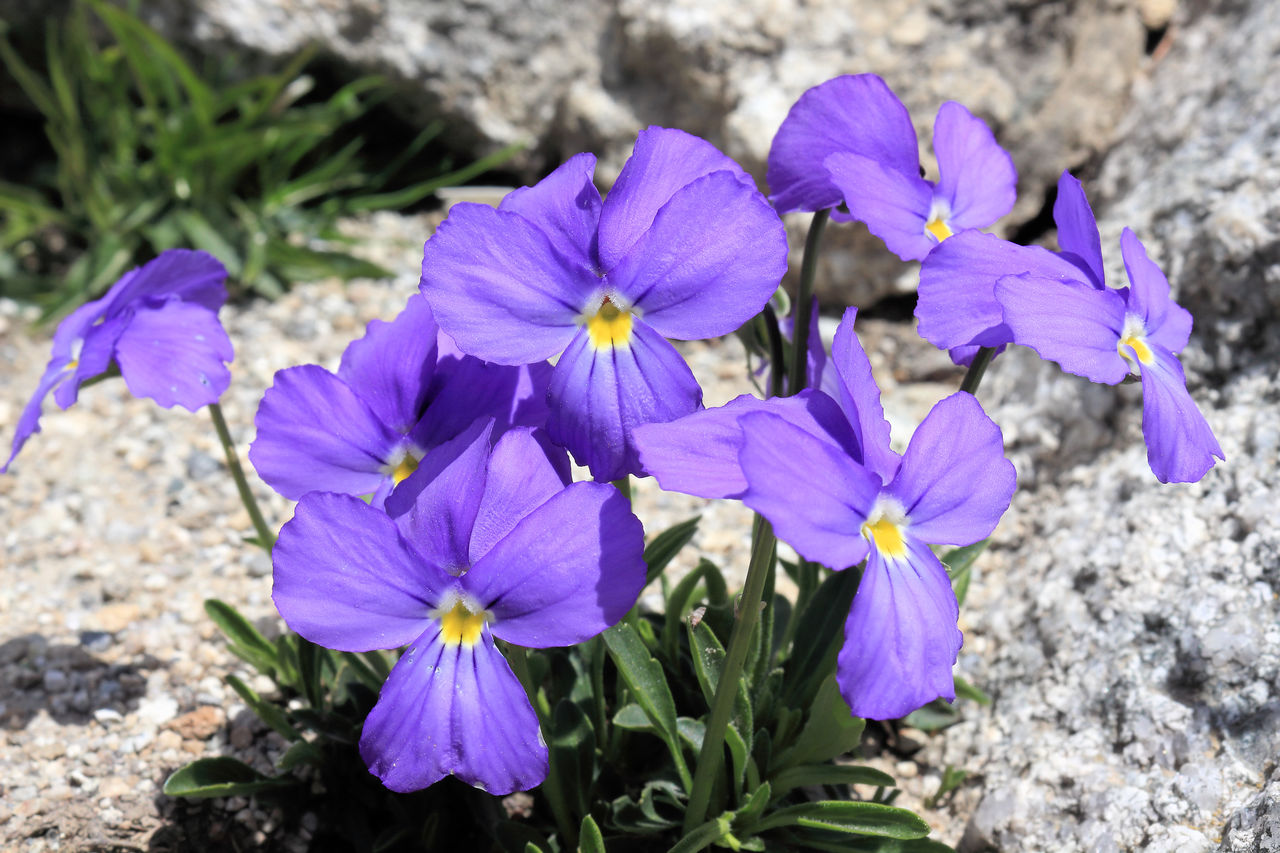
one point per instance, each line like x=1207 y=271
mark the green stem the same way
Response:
x=624 y=485
x=711 y=756
x=265 y=537
x=977 y=368
x=776 y=354
x=808 y=272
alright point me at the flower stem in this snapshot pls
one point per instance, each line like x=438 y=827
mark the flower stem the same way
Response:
x=808 y=272
x=711 y=757
x=977 y=368
x=266 y=538
x=623 y=485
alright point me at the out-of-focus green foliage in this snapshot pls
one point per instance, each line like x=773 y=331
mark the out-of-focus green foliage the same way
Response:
x=150 y=155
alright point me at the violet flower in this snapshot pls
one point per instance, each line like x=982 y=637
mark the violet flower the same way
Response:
x=158 y=325
x=400 y=390
x=480 y=544
x=979 y=290
x=683 y=247
x=850 y=140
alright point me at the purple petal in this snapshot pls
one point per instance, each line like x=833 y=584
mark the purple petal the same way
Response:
x=345 y=578
x=435 y=508
x=663 y=162
x=901 y=639
x=895 y=205
x=859 y=398
x=1069 y=322
x=698 y=454
x=1077 y=229
x=1168 y=323
x=315 y=434
x=191 y=276
x=957 y=305
x=598 y=395
x=391 y=367
x=520 y=479
x=858 y=114
x=571 y=568
x=820 y=516
x=97 y=350
x=955 y=482
x=467 y=388
x=29 y=420
x=452 y=708
x=713 y=256
x=174 y=355
x=1180 y=445
x=565 y=206
x=975 y=175
x=964 y=356
x=499 y=288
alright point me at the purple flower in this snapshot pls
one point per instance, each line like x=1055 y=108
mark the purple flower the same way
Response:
x=400 y=390
x=850 y=140
x=1103 y=334
x=158 y=324
x=479 y=544
x=979 y=290
x=683 y=247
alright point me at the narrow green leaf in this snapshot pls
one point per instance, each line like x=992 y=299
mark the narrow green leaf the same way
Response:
x=664 y=547
x=831 y=730
x=935 y=716
x=270 y=714
x=959 y=563
x=861 y=818
x=644 y=677
x=590 y=840
x=968 y=691
x=410 y=195
x=818 y=636
x=678 y=600
x=207 y=238
x=220 y=777
x=828 y=774
x=301 y=753
x=704 y=836
x=572 y=752
x=246 y=641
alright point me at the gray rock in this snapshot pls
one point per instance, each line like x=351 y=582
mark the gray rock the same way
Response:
x=1255 y=828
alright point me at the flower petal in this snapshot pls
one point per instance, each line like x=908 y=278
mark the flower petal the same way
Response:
x=466 y=388
x=345 y=579
x=435 y=508
x=1168 y=323
x=499 y=288
x=854 y=113
x=454 y=709
x=957 y=303
x=315 y=434
x=1069 y=322
x=975 y=175
x=565 y=206
x=709 y=262
x=820 y=516
x=895 y=205
x=29 y=420
x=97 y=351
x=598 y=395
x=1078 y=230
x=698 y=454
x=191 y=276
x=1180 y=445
x=174 y=355
x=391 y=367
x=901 y=639
x=521 y=478
x=859 y=398
x=955 y=481
x=663 y=162
x=571 y=568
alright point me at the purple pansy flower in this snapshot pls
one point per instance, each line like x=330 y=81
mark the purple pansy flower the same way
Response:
x=979 y=290
x=400 y=390
x=480 y=544
x=158 y=324
x=683 y=247
x=850 y=140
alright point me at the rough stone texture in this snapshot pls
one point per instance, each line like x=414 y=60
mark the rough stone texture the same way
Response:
x=1130 y=631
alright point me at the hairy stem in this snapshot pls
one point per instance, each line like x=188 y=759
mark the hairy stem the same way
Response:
x=266 y=538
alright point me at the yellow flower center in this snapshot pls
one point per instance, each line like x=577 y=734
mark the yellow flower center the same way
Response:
x=460 y=625
x=610 y=327
x=938 y=228
x=886 y=536
x=1133 y=341
x=406 y=466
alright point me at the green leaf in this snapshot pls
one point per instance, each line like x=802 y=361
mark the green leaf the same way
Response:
x=664 y=547
x=935 y=716
x=818 y=637
x=590 y=840
x=572 y=745
x=959 y=563
x=247 y=641
x=301 y=753
x=704 y=836
x=860 y=818
x=207 y=238
x=968 y=691
x=644 y=677
x=952 y=778
x=831 y=730
x=221 y=777
x=806 y=775
x=678 y=600
x=270 y=714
